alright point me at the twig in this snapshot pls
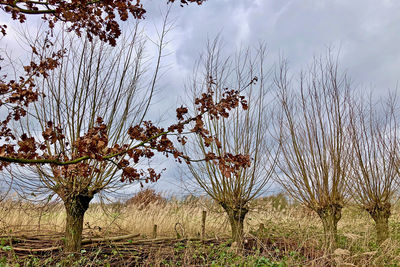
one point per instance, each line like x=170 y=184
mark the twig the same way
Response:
x=137 y=242
x=115 y=238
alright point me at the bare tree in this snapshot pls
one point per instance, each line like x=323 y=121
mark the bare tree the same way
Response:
x=315 y=145
x=374 y=141
x=244 y=132
x=93 y=80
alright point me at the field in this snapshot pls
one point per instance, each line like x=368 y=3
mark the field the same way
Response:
x=277 y=234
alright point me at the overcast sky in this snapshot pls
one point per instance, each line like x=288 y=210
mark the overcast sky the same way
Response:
x=365 y=34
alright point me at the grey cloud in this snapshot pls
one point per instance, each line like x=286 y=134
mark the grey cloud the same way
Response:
x=365 y=32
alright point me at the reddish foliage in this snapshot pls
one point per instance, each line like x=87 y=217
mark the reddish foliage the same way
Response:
x=16 y=95
x=99 y=18
x=149 y=139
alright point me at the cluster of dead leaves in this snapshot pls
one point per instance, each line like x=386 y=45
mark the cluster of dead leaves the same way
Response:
x=95 y=17
x=100 y=18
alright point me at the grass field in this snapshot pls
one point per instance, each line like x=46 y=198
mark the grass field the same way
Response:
x=290 y=235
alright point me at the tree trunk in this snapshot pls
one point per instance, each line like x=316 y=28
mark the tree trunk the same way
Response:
x=75 y=207
x=330 y=216
x=381 y=214
x=236 y=219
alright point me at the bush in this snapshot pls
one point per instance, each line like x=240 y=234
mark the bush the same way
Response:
x=145 y=197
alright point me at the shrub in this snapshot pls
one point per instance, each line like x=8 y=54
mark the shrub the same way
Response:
x=145 y=197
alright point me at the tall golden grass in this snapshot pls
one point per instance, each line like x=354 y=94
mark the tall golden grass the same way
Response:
x=281 y=220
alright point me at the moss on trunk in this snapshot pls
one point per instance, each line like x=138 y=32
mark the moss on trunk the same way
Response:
x=381 y=213
x=236 y=217
x=75 y=206
x=330 y=216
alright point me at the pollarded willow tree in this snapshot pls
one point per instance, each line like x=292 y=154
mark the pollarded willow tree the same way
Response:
x=375 y=163
x=314 y=141
x=244 y=132
x=93 y=81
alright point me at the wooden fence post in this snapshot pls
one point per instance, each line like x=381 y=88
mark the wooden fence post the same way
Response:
x=155 y=231
x=203 y=224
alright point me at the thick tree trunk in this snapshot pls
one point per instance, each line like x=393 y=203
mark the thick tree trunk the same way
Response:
x=236 y=219
x=330 y=216
x=75 y=207
x=381 y=214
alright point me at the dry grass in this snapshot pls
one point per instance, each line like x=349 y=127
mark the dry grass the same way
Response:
x=133 y=218
x=118 y=218
x=294 y=228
